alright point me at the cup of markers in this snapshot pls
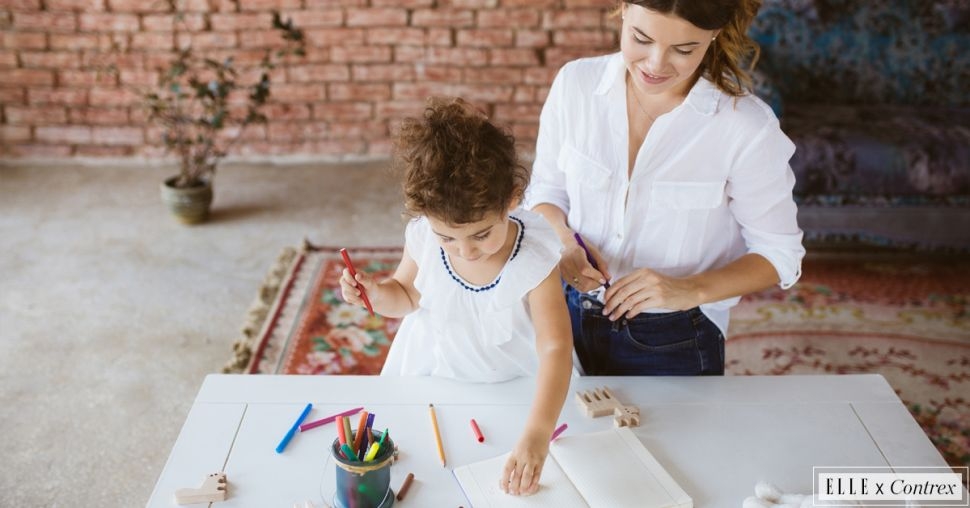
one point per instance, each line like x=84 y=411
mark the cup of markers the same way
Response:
x=363 y=467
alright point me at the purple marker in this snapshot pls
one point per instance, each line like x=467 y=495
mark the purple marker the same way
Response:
x=589 y=256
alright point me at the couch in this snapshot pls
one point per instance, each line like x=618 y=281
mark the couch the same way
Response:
x=876 y=96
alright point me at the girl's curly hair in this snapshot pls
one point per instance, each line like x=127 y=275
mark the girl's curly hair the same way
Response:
x=457 y=166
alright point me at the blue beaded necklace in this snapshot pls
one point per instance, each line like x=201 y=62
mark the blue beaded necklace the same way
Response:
x=515 y=251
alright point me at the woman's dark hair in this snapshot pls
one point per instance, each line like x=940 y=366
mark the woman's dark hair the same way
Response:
x=458 y=167
x=732 y=55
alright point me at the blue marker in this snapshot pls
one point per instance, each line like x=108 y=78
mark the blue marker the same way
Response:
x=289 y=435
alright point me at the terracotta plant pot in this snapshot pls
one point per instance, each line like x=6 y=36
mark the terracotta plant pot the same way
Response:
x=190 y=205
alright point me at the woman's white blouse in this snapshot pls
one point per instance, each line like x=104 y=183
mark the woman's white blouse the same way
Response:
x=711 y=181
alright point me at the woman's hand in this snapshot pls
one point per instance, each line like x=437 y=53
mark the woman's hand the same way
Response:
x=350 y=288
x=576 y=268
x=524 y=467
x=646 y=289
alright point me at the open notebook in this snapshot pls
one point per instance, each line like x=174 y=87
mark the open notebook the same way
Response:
x=610 y=469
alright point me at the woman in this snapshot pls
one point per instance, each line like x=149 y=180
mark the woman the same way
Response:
x=677 y=181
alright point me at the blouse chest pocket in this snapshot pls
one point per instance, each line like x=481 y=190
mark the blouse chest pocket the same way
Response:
x=686 y=195
x=587 y=184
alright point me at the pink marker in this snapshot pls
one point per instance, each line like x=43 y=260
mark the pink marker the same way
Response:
x=324 y=421
x=559 y=430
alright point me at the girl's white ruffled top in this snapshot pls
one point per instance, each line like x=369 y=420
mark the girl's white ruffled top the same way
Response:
x=468 y=332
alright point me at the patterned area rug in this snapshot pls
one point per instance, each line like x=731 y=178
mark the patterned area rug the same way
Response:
x=905 y=318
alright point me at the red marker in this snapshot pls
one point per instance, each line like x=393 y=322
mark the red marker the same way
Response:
x=477 y=431
x=353 y=273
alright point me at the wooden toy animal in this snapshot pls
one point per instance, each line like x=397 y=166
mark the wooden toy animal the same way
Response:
x=601 y=401
x=213 y=489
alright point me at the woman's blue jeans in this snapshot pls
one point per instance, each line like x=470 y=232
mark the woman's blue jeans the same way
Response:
x=683 y=343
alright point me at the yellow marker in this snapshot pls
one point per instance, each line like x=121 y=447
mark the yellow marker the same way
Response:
x=372 y=452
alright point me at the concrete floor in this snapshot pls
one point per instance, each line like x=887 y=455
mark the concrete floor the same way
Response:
x=111 y=313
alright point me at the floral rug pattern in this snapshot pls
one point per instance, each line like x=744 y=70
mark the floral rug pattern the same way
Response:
x=907 y=319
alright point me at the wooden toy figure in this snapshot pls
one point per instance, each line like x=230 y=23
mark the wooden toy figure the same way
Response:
x=601 y=401
x=212 y=489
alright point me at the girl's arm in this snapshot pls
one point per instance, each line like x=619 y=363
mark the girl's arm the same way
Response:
x=555 y=349
x=394 y=296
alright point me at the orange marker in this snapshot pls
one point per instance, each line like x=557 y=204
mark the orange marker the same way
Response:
x=353 y=273
x=361 y=427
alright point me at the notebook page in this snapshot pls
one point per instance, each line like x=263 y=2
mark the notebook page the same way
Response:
x=479 y=481
x=612 y=469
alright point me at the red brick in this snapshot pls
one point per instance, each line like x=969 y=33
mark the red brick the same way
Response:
x=14 y=133
x=374 y=129
x=377 y=17
x=396 y=36
x=108 y=22
x=299 y=93
x=556 y=57
x=507 y=75
x=207 y=40
x=288 y=112
x=605 y=4
x=140 y=6
x=440 y=55
x=509 y=18
x=241 y=21
x=99 y=151
x=73 y=134
x=339 y=147
x=440 y=37
x=484 y=38
x=445 y=73
x=360 y=54
x=158 y=22
x=484 y=93
x=524 y=94
x=576 y=18
x=22 y=5
x=535 y=4
x=325 y=37
x=98 y=116
x=269 y=5
x=359 y=92
x=27 y=77
x=525 y=135
x=531 y=38
x=540 y=75
x=153 y=40
x=255 y=39
x=389 y=72
x=138 y=77
x=584 y=38
x=518 y=56
x=400 y=109
x=12 y=96
x=41 y=151
x=518 y=112
x=50 y=60
x=541 y=93
x=24 y=40
x=296 y=131
x=63 y=96
x=8 y=59
x=422 y=90
x=104 y=96
x=117 y=136
x=45 y=21
x=443 y=17
x=68 y=78
x=380 y=147
x=406 y=4
x=317 y=73
x=313 y=18
x=73 y=41
x=332 y=4
x=343 y=111
x=36 y=115
x=471 y=4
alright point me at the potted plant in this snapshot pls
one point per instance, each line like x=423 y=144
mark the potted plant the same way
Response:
x=197 y=102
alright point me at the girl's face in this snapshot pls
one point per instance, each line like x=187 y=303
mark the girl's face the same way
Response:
x=474 y=242
x=661 y=51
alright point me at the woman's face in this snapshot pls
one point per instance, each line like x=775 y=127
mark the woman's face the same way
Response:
x=661 y=51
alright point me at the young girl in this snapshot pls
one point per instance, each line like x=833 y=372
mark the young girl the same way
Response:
x=478 y=283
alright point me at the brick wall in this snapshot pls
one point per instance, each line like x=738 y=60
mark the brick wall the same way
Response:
x=368 y=64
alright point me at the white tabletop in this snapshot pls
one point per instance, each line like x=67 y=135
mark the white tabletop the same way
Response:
x=717 y=436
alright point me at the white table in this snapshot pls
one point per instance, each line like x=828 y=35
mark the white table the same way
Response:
x=717 y=436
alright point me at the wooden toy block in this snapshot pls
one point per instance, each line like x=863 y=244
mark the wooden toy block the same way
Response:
x=601 y=401
x=213 y=489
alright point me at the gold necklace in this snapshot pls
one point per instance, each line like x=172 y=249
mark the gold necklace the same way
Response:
x=633 y=91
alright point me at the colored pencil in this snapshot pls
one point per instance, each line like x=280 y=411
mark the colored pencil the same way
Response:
x=559 y=430
x=477 y=431
x=401 y=492
x=353 y=273
x=437 y=434
x=289 y=435
x=589 y=257
x=323 y=421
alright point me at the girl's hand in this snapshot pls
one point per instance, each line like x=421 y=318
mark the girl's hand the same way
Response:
x=350 y=288
x=646 y=289
x=522 y=470
x=578 y=271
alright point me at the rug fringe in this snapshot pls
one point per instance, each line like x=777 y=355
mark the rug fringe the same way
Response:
x=259 y=309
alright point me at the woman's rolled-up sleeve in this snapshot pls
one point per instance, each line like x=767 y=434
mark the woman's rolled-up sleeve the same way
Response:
x=760 y=193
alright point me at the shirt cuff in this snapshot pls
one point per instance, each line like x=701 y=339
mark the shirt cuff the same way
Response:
x=787 y=263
